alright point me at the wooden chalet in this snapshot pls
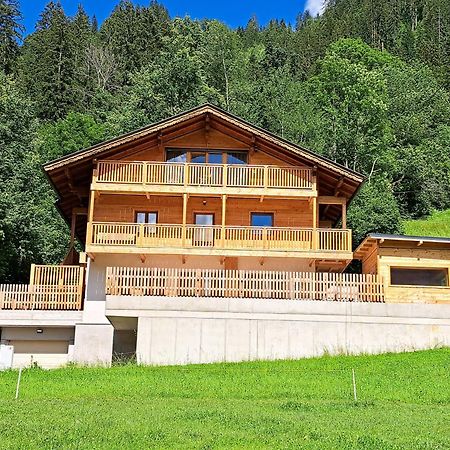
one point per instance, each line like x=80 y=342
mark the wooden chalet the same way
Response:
x=206 y=238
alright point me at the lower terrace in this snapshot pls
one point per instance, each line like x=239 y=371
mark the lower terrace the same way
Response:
x=61 y=287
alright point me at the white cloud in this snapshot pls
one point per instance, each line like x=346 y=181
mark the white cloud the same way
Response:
x=315 y=6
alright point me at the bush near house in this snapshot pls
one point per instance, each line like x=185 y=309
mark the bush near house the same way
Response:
x=403 y=402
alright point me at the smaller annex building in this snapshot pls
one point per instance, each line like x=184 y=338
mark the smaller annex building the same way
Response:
x=414 y=269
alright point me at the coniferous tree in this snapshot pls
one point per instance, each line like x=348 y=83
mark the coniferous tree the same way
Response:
x=47 y=66
x=10 y=33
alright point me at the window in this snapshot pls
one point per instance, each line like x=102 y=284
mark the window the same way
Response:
x=236 y=158
x=176 y=156
x=147 y=217
x=261 y=219
x=419 y=277
x=203 y=156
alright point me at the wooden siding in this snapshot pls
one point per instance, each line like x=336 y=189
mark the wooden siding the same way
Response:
x=123 y=208
x=380 y=257
x=413 y=258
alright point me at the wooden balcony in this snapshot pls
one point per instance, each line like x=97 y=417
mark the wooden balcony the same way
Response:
x=50 y=288
x=218 y=240
x=245 y=284
x=201 y=179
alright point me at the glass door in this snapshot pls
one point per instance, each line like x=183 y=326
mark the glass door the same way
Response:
x=204 y=231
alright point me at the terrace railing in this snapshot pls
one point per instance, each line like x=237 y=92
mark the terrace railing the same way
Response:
x=50 y=288
x=206 y=175
x=167 y=282
x=228 y=237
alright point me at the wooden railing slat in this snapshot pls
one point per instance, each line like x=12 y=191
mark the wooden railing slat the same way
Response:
x=244 y=284
x=191 y=174
x=54 y=287
x=234 y=237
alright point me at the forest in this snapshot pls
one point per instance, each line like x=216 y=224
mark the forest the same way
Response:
x=366 y=84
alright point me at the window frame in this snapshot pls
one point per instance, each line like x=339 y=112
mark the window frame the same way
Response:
x=136 y=212
x=204 y=213
x=223 y=151
x=432 y=286
x=262 y=213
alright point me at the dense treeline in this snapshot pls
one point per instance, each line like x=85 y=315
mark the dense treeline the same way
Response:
x=366 y=84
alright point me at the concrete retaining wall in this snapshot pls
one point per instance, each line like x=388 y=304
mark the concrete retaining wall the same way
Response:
x=183 y=331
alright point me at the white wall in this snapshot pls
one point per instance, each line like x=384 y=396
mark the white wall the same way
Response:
x=182 y=331
x=48 y=349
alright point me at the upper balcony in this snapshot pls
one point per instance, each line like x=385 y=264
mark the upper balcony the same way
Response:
x=202 y=179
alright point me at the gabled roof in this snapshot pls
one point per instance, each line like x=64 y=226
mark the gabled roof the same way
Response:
x=96 y=150
x=71 y=175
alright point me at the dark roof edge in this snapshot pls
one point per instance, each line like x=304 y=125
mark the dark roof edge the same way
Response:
x=404 y=237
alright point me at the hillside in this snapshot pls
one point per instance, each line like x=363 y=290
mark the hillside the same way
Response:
x=438 y=224
x=403 y=402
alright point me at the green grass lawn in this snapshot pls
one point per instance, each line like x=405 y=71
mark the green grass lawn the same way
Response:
x=403 y=403
x=438 y=224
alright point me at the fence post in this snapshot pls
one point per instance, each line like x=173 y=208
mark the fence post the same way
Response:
x=354 y=385
x=32 y=271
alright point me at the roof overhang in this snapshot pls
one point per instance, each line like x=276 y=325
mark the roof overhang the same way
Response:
x=399 y=241
x=70 y=175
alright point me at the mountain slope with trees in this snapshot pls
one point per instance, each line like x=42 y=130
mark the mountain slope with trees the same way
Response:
x=365 y=84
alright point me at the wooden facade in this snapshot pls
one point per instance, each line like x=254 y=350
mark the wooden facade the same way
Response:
x=308 y=222
x=414 y=269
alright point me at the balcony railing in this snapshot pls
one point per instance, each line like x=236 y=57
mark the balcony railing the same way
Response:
x=204 y=175
x=228 y=237
x=145 y=281
x=50 y=288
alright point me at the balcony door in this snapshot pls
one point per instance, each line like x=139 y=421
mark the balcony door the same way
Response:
x=203 y=233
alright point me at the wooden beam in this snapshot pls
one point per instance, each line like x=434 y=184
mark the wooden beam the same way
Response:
x=331 y=200
x=224 y=213
x=73 y=226
x=80 y=211
x=344 y=215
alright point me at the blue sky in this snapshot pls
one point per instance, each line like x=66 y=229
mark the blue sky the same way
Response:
x=232 y=12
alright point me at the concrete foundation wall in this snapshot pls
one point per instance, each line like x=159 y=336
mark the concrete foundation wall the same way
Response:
x=93 y=344
x=183 y=331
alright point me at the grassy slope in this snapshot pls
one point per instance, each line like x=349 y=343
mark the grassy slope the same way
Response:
x=403 y=403
x=438 y=224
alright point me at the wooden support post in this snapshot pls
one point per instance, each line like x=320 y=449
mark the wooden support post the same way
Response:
x=224 y=212
x=32 y=273
x=225 y=175
x=90 y=217
x=183 y=232
x=72 y=228
x=344 y=215
x=315 y=223
x=185 y=174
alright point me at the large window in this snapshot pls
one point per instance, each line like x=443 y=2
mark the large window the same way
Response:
x=261 y=219
x=201 y=156
x=418 y=277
